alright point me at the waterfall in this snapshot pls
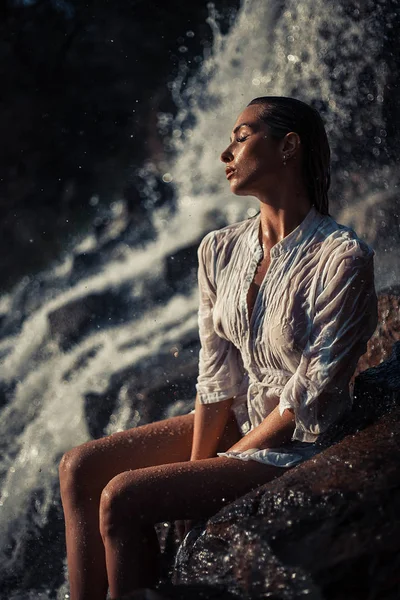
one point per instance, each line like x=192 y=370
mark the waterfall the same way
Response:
x=323 y=53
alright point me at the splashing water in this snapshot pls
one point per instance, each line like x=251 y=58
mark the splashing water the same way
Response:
x=324 y=54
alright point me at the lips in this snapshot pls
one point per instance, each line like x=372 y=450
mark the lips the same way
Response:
x=229 y=172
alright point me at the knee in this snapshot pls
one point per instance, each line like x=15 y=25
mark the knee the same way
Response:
x=118 y=506
x=74 y=473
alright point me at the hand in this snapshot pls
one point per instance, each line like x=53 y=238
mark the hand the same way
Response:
x=183 y=527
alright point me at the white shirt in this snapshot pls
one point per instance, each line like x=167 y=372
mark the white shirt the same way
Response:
x=314 y=313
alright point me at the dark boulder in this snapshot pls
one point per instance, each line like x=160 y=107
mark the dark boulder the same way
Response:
x=328 y=529
x=387 y=332
x=75 y=319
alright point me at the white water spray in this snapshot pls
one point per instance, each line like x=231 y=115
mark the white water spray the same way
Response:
x=273 y=48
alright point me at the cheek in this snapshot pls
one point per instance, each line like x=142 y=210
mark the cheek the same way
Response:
x=258 y=160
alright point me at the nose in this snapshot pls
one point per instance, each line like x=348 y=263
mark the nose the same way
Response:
x=226 y=155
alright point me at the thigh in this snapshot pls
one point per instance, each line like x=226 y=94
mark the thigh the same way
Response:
x=162 y=442
x=186 y=490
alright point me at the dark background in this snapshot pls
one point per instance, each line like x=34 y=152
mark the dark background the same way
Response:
x=81 y=85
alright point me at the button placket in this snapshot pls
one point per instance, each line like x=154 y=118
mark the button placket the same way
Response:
x=251 y=321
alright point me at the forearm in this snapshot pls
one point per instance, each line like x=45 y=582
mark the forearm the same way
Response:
x=209 y=424
x=274 y=431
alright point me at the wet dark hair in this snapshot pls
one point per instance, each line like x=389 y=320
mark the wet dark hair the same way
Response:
x=283 y=115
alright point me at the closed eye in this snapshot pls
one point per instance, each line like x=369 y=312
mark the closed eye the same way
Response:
x=242 y=139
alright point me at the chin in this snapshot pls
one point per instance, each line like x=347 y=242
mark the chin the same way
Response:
x=245 y=185
x=239 y=190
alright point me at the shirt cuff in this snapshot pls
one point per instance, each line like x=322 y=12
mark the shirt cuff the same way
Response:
x=205 y=397
x=304 y=436
x=300 y=394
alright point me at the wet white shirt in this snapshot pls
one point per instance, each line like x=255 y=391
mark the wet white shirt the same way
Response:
x=314 y=313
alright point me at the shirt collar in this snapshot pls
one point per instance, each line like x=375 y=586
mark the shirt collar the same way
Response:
x=295 y=237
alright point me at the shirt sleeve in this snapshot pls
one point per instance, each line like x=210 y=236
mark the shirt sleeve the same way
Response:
x=220 y=364
x=345 y=317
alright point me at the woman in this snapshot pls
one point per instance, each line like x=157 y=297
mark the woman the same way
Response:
x=287 y=305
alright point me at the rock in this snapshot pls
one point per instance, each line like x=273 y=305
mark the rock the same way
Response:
x=144 y=594
x=194 y=592
x=73 y=320
x=387 y=332
x=181 y=266
x=156 y=388
x=376 y=392
x=327 y=529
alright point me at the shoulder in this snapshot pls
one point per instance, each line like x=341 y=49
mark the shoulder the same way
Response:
x=343 y=255
x=340 y=242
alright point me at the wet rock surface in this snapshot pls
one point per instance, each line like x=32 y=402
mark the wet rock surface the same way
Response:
x=325 y=530
x=387 y=332
x=328 y=529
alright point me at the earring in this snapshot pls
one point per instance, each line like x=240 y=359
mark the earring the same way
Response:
x=284 y=160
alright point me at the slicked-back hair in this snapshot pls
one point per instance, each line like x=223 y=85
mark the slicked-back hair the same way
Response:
x=283 y=115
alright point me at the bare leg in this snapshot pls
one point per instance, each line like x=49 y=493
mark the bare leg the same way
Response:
x=87 y=469
x=133 y=502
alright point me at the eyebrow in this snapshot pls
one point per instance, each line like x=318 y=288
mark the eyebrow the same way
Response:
x=241 y=125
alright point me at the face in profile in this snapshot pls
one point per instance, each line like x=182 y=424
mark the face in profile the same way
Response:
x=253 y=159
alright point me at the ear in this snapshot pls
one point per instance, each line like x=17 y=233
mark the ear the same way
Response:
x=291 y=144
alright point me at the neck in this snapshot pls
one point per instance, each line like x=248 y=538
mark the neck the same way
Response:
x=277 y=222
x=284 y=203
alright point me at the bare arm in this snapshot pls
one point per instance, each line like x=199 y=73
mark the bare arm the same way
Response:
x=209 y=424
x=274 y=431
